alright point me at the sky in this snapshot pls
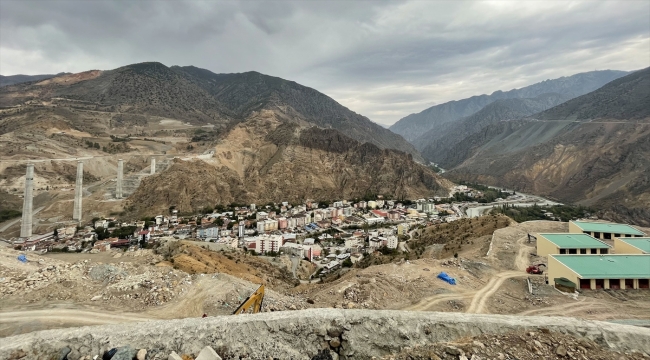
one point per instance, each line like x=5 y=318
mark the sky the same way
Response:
x=382 y=59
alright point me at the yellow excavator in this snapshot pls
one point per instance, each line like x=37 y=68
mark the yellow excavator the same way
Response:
x=252 y=303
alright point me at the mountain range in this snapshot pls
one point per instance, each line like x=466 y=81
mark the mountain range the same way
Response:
x=243 y=137
x=415 y=125
x=591 y=150
x=17 y=79
x=202 y=97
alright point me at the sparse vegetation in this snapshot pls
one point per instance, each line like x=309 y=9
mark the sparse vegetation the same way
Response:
x=536 y=212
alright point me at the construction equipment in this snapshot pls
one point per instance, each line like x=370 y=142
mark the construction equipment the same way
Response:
x=534 y=269
x=252 y=303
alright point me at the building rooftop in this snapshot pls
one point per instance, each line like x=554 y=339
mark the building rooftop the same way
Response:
x=607 y=266
x=608 y=228
x=642 y=243
x=575 y=241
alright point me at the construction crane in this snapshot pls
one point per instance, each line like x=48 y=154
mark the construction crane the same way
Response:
x=252 y=303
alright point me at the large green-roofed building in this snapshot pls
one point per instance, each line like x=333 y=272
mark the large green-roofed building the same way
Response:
x=568 y=243
x=607 y=231
x=620 y=271
x=632 y=245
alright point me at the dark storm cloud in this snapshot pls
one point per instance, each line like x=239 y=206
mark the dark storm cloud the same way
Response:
x=383 y=59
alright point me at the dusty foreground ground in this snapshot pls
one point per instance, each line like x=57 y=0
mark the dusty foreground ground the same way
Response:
x=63 y=290
x=57 y=291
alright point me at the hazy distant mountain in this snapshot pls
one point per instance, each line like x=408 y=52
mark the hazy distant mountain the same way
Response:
x=414 y=125
x=437 y=143
x=17 y=79
x=600 y=159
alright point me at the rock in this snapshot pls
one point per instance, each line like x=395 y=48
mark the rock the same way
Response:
x=63 y=354
x=208 y=354
x=463 y=357
x=174 y=356
x=452 y=350
x=124 y=353
x=323 y=355
x=560 y=350
x=334 y=332
x=538 y=344
x=141 y=355
x=478 y=344
x=95 y=298
x=335 y=342
x=18 y=354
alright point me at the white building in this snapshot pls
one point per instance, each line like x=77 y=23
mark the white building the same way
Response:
x=391 y=242
x=266 y=243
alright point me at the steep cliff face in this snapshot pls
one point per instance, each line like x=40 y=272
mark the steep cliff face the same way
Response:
x=264 y=160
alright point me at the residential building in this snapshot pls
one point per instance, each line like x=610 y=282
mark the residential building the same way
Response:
x=402 y=229
x=619 y=271
x=209 y=232
x=391 y=242
x=261 y=215
x=567 y=243
x=606 y=231
x=267 y=243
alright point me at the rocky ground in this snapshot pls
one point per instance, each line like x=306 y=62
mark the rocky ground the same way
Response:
x=517 y=345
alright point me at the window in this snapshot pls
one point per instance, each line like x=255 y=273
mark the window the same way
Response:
x=594 y=251
x=608 y=236
x=573 y=251
x=617 y=235
x=597 y=235
x=562 y=251
x=583 y=251
x=603 y=251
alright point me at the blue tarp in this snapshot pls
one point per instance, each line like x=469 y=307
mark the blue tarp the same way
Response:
x=443 y=276
x=22 y=258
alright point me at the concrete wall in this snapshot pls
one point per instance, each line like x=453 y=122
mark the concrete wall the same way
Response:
x=557 y=270
x=573 y=228
x=622 y=247
x=300 y=334
x=545 y=247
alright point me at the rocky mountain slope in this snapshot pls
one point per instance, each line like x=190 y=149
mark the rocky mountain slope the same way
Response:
x=436 y=143
x=17 y=79
x=199 y=97
x=265 y=159
x=602 y=159
x=413 y=126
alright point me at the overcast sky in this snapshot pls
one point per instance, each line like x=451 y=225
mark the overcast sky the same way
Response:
x=383 y=59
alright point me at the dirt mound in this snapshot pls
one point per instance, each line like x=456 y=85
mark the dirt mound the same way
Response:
x=456 y=234
x=193 y=259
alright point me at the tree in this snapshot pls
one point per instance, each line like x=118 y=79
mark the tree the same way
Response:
x=347 y=263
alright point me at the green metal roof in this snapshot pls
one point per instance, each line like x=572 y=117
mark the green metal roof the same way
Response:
x=642 y=243
x=608 y=228
x=575 y=241
x=607 y=266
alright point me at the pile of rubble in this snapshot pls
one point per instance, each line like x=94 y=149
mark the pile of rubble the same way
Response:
x=531 y=345
x=139 y=285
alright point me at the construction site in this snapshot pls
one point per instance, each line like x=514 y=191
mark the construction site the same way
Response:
x=500 y=278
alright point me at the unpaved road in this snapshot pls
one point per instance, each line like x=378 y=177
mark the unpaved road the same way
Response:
x=481 y=297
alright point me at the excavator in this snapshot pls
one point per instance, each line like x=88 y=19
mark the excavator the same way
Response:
x=252 y=303
x=534 y=269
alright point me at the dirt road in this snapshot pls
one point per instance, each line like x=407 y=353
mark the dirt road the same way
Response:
x=481 y=297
